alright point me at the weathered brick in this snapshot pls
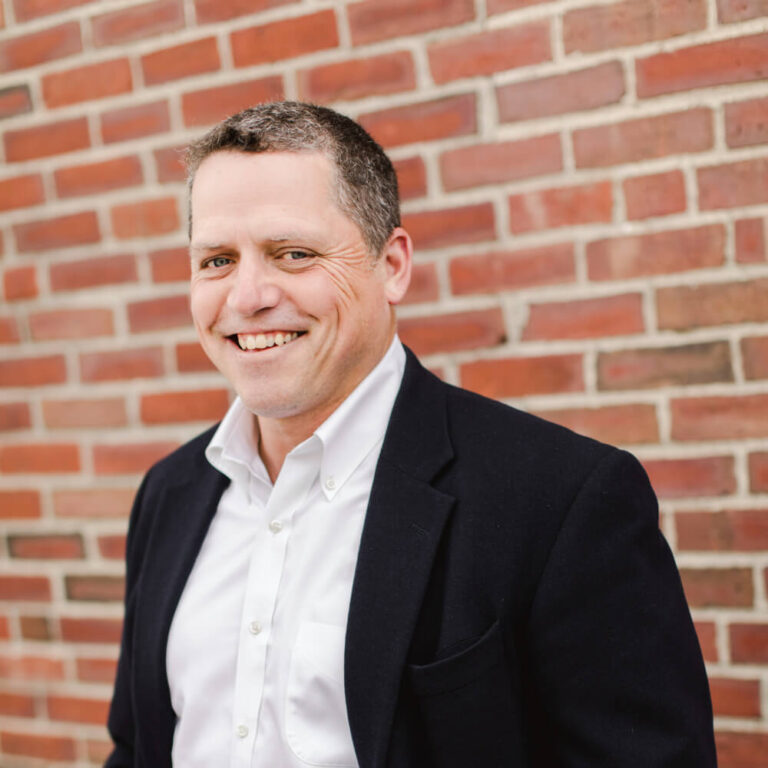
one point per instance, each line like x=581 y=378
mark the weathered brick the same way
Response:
x=96 y=670
x=501 y=161
x=39 y=47
x=36 y=628
x=358 y=78
x=37 y=745
x=47 y=546
x=739 y=749
x=719 y=418
x=93 y=502
x=136 y=122
x=210 y=105
x=71 y=324
x=702 y=363
x=26 y=10
x=576 y=91
x=729 y=11
x=137 y=22
x=749 y=240
x=425 y=121
x=30 y=667
x=284 y=39
x=86 y=83
x=170 y=166
x=39 y=457
x=423 y=286
x=500 y=6
x=112 y=547
x=451 y=333
x=117 y=365
x=61 y=232
x=451 y=226
x=20 y=283
x=102 y=176
x=746 y=123
x=14 y=416
x=736 y=60
x=98 y=588
x=521 y=376
x=33 y=371
x=90 y=630
x=490 y=51
x=14 y=100
x=145 y=218
x=190 y=358
x=46 y=140
x=92 y=272
x=754 y=353
x=185 y=60
x=9 y=333
x=77 y=710
x=16 y=705
x=561 y=207
x=157 y=314
x=691 y=477
x=718 y=587
x=733 y=697
x=37 y=588
x=734 y=184
x=657 y=253
x=691 y=306
x=630 y=22
x=659 y=194
x=644 y=138
x=20 y=504
x=630 y=424
x=758 y=472
x=728 y=530
x=749 y=643
x=91 y=412
x=129 y=458
x=411 y=177
x=169 y=265
x=373 y=20
x=173 y=407
x=499 y=270
x=21 y=191
x=208 y=11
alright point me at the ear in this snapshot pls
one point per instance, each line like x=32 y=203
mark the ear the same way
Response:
x=397 y=258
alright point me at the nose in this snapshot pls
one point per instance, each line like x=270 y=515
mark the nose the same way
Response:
x=254 y=287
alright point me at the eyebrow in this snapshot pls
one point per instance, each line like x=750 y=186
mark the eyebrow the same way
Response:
x=281 y=238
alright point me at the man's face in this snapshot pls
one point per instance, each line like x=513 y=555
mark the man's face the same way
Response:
x=286 y=299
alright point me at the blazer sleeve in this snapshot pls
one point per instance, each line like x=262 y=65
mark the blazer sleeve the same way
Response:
x=613 y=661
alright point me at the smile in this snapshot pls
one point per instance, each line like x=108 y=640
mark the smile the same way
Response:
x=265 y=340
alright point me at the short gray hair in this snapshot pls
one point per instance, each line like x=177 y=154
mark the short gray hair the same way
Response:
x=366 y=183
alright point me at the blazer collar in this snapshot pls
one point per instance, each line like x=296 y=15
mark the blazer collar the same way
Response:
x=403 y=526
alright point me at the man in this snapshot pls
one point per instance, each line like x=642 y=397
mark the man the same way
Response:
x=362 y=565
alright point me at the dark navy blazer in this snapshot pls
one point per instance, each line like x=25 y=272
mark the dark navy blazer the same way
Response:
x=514 y=603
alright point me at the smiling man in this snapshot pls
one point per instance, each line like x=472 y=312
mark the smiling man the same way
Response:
x=362 y=566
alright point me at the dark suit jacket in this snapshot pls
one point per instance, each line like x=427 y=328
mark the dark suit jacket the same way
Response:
x=514 y=603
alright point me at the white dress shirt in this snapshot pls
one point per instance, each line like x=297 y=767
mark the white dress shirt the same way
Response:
x=255 y=654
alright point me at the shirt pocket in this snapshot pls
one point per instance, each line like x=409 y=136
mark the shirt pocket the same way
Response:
x=316 y=724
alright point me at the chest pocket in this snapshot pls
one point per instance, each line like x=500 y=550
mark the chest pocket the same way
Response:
x=316 y=724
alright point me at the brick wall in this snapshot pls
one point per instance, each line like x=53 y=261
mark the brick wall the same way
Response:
x=587 y=187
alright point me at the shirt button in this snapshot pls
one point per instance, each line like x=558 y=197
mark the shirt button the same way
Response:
x=275 y=526
x=330 y=483
x=254 y=627
x=242 y=731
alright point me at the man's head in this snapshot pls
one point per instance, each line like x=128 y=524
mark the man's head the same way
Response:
x=365 y=181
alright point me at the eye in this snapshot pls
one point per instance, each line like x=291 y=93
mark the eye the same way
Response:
x=297 y=255
x=217 y=261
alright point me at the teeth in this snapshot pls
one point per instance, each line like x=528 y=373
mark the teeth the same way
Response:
x=264 y=340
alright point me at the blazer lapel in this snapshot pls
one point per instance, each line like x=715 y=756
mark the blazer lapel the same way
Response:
x=403 y=527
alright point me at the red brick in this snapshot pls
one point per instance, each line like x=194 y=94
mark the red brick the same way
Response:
x=47 y=140
x=35 y=628
x=749 y=643
x=561 y=207
x=39 y=457
x=112 y=547
x=137 y=22
x=210 y=105
x=656 y=253
x=169 y=265
x=145 y=218
x=634 y=423
x=39 y=47
x=734 y=184
x=14 y=100
x=732 y=697
x=425 y=121
x=69 y=414
x=127 y=458
x=521 y=376
x=49 y=546
x=61 y=232
x=16 y=705
x=179 y=61
x=718 y=587
x=174 y=407
x=170 y=165
x=357 y=78
x=71 y=324
x=94 y=178
x=423 y=286
x=93 y=502
x=500 y=6
x=29 y=667
x=741 y=749
x=157 y=314
x=729 y=11
x=490 y=51
x=559 y=94
x=501 y=161
x=737 y=60
x=145 y=362
x=85 y=630
x=19 y=504
x=691 y=306
x=14 y=416
x=38 y=745
x=20 y=283
x=373 y=20
x=749 y=236
x=284 y=39
x=190 y=358
x=5 y=631
x=754 y=353
x=702 y=363
x=36 y=588
x=719 y=418
x=25 y=10
x=33 y=371
x=21 y=192
x=644 y=138
x=746 y=123
x=90 y=588
x=77 y=710
x=86 y=83
x=729 y=530
x=451 y=226
x=630 y=22
x=92 y=670
x=659 y=194
x=451 y=333
x=9 y=334
x=208 y=11
x=758 y=472
x=411 y=177
x=92 y=272
x=135 y=122
x=586 y=318
x=689 y=478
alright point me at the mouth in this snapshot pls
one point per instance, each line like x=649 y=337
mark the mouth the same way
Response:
x=251 y=341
